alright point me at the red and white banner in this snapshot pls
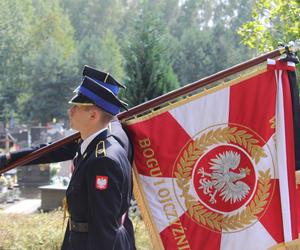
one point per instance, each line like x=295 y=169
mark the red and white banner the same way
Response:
x=216 y=170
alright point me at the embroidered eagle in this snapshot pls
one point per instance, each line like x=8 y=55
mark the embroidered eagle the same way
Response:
x=101 y=182
x=223 y=180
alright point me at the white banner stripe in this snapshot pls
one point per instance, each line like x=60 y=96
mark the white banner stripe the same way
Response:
x=190 y=115
x=163 y=202
x=264 y=163
x=282 y=161
x=255 y=237
x=199 y=117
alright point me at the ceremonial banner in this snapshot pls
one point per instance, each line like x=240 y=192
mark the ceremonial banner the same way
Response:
x=216 y=170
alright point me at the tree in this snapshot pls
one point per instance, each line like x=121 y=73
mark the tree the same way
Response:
x=51 y=87
x=273 y=22
x=147 y=56
x=44 y=45
x=15 y=25
x=37 y=60
x=193 y=13
x=51 y=65
x=94 y=17
x=97 y=25
x=208 y=42
x=104 y=54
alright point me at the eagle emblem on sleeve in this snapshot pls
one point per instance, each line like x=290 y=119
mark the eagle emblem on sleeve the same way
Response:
x=101 y=182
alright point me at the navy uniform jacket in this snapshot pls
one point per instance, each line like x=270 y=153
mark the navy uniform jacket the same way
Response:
x=68 y=151
x=119 y=134
x=102 y=208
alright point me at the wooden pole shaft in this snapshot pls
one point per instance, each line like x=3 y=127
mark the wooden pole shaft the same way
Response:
x=151 y=104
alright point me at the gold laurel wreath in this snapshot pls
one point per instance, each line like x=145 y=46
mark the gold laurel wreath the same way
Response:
x=184 y=170
x=272 y=122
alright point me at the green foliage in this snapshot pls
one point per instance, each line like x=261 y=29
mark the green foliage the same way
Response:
x=38 y=60
x=45 y=231
x=52 y=62
x=94 y=17
x=15 y=26
x=273 y=21
x=110 y=48
x=104 y=54
x=147 y=59
x=48 y=92
x=208 y=42
x=36 y=231
x=151 y=45
x=142 y=239
x=51 y=22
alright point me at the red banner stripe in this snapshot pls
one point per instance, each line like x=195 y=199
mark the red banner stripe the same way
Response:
x=187 y=234
x=272 y=219
x=281 y=65
x=157 y=142
x=252 y=103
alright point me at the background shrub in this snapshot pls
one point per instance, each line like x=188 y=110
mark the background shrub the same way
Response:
x=44 y=231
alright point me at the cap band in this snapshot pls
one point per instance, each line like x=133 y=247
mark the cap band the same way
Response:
x=107 y=106
x=113 y=88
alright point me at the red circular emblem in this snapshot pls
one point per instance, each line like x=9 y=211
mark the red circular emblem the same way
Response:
x=221 y=180
x=224 y=178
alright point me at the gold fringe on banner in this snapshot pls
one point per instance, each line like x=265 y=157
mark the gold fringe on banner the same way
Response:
x=142 y=202
x=291 y=245
x=138 y=190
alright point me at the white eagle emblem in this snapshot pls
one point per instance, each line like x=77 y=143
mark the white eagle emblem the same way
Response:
x=101 y=182
x=224 y=181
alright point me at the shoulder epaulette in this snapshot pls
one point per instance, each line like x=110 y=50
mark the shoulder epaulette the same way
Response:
x=100 y=149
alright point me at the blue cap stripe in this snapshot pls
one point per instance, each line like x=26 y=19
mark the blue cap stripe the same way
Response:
x=112 y=87
x=107 y=106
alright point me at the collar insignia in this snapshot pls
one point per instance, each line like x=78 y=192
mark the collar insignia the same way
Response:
x=100 y=149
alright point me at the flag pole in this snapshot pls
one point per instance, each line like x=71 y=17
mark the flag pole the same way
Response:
x=157 y=101
x=200 y=83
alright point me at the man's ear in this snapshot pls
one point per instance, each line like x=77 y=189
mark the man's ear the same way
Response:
x=94 y=114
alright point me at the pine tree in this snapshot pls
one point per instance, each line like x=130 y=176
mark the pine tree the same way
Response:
x=148 y=64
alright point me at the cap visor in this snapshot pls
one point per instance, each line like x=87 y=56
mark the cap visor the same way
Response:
x=80 y=99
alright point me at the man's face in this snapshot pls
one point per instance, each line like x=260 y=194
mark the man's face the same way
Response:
x=79 y=117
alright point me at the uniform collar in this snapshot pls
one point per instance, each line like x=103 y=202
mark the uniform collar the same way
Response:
x=88 y=140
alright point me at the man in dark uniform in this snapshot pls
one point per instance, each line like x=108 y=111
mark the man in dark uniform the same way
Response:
x=100 y=190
